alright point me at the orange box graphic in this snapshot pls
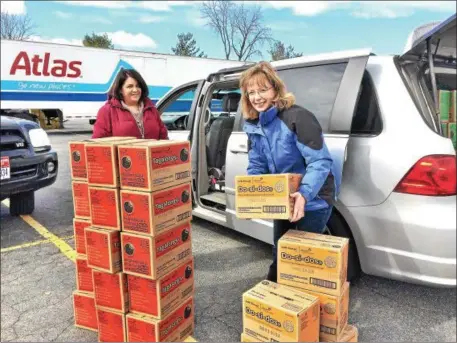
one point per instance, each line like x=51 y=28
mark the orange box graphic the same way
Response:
x=273 y=312
x=84 y=281
x=312 y=261
x=104 y=208
x=80 y=236
x=154 y=213
x=111 y=291
x=154 y=165
x=84 y=310
x=101 y=160
x=334 y=313
x=174 y=328
x=81 y=199
x=78 y=166
x=158 y=298
x=103 y=250
x=153 y=257
x=111 y=325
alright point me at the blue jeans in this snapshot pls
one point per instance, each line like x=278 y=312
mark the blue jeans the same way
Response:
x=313 y=221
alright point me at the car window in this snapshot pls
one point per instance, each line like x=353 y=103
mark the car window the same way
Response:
x=315 y=88
x=367 y=118
x=176 y=113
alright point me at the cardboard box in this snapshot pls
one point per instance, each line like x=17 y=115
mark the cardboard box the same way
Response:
x=453 y=111
x=273 y=312
x=155 y=213
x=445 y=129
x=84 y=311
x=103 y=250
x=111 y=291
x=84 y=281
x=154 y=165
x=79 y=226
x=81 y=205
x=246 y=338
x=313 y=261
x=158 y=298
x=104 y=208
x=266 y=196
x=78 y=168
x=102 y=163
x=174 y=328
x=77 y=149
x=334 y=313
x=111 y=325
x=453 y=133
x=445 y=105
x=154 y=257
x=349 y=334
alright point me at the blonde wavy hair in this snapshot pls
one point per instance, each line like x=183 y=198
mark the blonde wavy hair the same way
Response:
x=261 y=74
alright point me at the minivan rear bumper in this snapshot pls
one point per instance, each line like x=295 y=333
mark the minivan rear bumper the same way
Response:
x=409 y=238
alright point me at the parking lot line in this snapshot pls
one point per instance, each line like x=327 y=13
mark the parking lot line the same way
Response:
x=31 y=244
x=63 y=246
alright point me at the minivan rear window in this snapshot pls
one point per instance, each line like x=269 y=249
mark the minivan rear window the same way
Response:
x=315 y=88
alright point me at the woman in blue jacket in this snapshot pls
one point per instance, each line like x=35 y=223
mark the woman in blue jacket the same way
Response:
x=286 y=138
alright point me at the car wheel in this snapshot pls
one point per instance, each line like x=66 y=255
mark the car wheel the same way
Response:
x=337 y=226
x=23 y=203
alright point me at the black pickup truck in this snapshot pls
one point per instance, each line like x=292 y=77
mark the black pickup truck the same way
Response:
x=28 y=163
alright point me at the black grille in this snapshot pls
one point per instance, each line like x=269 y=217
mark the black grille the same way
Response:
x=18 y=173
x=11 y=140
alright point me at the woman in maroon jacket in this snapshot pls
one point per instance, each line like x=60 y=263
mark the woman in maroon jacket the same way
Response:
x=129 y=111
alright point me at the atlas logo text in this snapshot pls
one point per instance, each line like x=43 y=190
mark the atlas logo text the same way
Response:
x=45 y=66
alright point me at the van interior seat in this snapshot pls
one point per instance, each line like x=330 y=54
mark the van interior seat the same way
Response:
x=219 y=132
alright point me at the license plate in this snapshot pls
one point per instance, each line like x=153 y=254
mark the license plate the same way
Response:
x=5 y=171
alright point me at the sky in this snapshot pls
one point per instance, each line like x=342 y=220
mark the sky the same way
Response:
x=311 y=27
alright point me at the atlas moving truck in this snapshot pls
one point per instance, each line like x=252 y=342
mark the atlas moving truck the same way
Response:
x=58 y=83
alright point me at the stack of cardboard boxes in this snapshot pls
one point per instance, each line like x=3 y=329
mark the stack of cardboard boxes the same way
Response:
x=134 y=265
x=448 y=114
x=310 y=301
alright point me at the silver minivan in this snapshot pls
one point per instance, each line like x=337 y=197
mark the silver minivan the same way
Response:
x=397 y=202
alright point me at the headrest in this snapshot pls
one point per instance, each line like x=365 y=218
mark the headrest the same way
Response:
x=230 y=102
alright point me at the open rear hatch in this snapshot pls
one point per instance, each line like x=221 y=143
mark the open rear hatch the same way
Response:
x=437 y=49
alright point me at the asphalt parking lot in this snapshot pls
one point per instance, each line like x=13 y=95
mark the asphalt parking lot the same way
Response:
x=38 y=278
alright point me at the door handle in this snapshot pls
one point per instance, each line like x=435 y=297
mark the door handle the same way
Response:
x=240 y=149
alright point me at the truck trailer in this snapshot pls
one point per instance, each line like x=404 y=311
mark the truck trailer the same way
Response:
x=56 y=83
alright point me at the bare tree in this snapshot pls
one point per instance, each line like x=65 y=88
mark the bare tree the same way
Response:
x=219 y=16
x=240 y=28
x=15 y=26
x=249 y=32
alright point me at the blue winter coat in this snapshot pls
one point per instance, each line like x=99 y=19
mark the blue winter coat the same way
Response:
x=291 y=141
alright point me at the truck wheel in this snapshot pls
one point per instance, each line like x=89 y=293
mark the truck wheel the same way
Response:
x=338 y=227
x=23 y=203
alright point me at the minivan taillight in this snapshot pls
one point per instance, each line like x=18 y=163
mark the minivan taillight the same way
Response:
x=431 y=175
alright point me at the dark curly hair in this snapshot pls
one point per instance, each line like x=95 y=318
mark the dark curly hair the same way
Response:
x=116 y=89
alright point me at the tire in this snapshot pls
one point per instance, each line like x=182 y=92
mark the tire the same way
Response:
x=338 y=227
x=21 y=204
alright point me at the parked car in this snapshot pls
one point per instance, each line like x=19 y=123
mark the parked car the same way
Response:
x=28 y=163
x=397 y=203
